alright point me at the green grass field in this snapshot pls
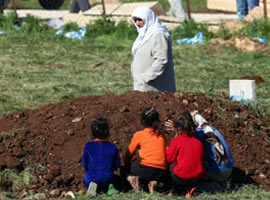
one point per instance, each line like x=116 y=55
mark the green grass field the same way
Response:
x=38 y=68
x=245 y=193
x=195 y=5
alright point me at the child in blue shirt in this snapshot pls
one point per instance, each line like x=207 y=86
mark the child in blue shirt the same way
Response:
x=218 y=156
x=100 y=157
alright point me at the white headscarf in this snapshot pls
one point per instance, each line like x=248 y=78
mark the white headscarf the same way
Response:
x=151 y=26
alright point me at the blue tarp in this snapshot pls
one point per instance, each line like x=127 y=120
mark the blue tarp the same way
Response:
x=73 y=34
x=197 y=39
x=1 y=32
x=260 y=39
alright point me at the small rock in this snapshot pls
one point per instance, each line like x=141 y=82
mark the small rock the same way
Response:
x=124 y=109
x=77 y=119
x=185 y=102
x=70 y=194
x=40 y=196
x=196 y=104
x=55 y=193
x=70 y=132
x=262 y=175
x=178 y=95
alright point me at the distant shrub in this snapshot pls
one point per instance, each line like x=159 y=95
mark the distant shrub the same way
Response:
x=223 y=32
x=72 y=26
x=106 y=26
x=32 y=24
x=125 y=30
x=257 y=28
x=189 y=28
x=7 y=22
x=101 y=26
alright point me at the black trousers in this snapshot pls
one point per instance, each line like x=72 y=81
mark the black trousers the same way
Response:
x=148 y=173
x=2 y=3
x=180 y=185
x=79 y=5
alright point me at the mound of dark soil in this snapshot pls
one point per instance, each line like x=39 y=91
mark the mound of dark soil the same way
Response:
x=54 y=135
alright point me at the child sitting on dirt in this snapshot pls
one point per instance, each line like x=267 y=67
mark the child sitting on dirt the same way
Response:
x=218 y=156
x=186 y=155
x=219 y=160
x=100 y=158
x=151 y=146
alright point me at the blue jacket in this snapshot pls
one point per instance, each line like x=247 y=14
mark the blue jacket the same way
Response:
x=99 y=160
x=210 y=155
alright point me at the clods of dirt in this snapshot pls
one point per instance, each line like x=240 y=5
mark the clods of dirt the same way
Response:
x=54 y=136
x=256 y=78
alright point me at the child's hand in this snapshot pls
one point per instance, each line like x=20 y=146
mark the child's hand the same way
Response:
x=169 y=126
x=198 y=119
x=193 y=113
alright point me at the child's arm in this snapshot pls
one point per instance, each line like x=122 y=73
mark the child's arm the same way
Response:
x=127 y=157
x=172 y=152
x=210 y=135
x=198 y=119
x=131 y=149
x=85 y=159
x=116 y=160
x=201 y=122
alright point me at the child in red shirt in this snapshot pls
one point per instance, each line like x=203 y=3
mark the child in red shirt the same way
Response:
x=151 y=146
x=186 y=155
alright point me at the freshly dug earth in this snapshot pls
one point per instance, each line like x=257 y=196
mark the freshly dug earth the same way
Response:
x=54 y=135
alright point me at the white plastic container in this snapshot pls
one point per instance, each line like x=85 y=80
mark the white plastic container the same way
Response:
x=243 y=89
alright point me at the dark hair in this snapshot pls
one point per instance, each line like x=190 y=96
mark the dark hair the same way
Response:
x=185 y=123
x=150 y=118
x=100 y=128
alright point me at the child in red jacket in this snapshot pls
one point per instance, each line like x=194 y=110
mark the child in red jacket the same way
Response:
x=186 y=154
x=151 y=146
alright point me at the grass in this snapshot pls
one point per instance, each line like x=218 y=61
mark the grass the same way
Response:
x=34 y=4
x=247 y=192
x=39 y=68
x=18 y=180
x=195 y=5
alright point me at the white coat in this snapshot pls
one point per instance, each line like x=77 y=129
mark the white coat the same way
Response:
x=152 y=66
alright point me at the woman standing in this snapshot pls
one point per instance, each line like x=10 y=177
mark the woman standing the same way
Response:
x=152 y=67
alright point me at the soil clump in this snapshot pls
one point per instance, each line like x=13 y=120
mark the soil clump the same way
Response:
x=54 y=135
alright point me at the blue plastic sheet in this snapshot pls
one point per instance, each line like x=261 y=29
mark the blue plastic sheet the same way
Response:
x=16 y=27
x=73 y=34
x=197 y=39
x=239 y=99
x=260 y=39
x=1 y=32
